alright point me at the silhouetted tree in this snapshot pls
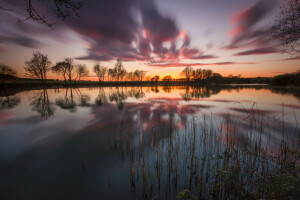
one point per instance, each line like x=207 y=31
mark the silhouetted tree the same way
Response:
x=6 y=73
x=187 y=72
x=66 y=69
x=140 y=74
x=167 y=78
x=286 y=27
x=119 y=71
x=38 y=66
x=42 y=104
x=206 y=73
x=287 y=79
x=123 y=74
x=61 y=69
x=130 y=76
x=155 y=78
x=110 y=74
x=70 y=72
x=100 y=71
x=81 y=71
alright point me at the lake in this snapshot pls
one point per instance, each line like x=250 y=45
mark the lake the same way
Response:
x=143 y=142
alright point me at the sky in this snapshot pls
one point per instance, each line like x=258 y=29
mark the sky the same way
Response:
x=158 y=36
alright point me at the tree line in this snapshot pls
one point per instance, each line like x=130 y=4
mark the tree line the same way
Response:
x=39 y=65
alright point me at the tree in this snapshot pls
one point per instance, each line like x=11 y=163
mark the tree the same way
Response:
x=60 y=69
x=119 y=71
x=155 y=78
x=61 y=8
x=206 y=73
x=38 y=66
x=140 y=74
x=123 y=74
x=197 y=74
x=167 y=78
x=65 y=68
x=286 y=27
x=70 y=68
x=81 y=71
x=187 y=72
x=111 y=74
x=100 y=72
x=130 y=76
x=6 y=73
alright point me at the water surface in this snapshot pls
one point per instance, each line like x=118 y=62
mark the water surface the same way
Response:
x=132 y=142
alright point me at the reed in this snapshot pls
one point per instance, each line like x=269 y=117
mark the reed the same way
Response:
x=212 y=157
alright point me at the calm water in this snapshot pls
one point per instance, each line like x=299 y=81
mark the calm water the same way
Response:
x=131 y=142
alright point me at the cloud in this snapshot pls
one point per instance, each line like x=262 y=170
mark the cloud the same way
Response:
x=132 y=30
x=258 y=51
x=20 y=40
x=292 y=58
x=177 y=64
x=247 y=34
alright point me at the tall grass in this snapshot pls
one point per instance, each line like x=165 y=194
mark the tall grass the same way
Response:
x=211 y=157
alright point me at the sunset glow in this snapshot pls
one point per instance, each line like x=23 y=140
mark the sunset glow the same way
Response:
x=160 y=37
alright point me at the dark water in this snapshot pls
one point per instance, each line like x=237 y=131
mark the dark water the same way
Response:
x=132 y=142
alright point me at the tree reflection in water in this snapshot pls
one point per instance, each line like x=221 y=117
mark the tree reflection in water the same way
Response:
x=72 y=99
x=155 y=89
x=199 y=92
x=9 y=102
x=120 y=95
x=42 y=105
x=101 y=98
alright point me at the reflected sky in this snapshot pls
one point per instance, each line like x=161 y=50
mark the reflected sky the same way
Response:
x=64 y=138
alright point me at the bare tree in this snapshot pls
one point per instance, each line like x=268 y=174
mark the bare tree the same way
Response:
x=81 y=71
x=130 y=76
x=111 y=74
x=38 y=66
x=140 y=74
x=62 y=9
x=61 y=69
x=119 y=71
x=197 y=74
x=286 y=27
x=70 y=71
x=187 y=72
x=6 y=73
x=65 y=68
x=100 y=71
x=123 y=74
